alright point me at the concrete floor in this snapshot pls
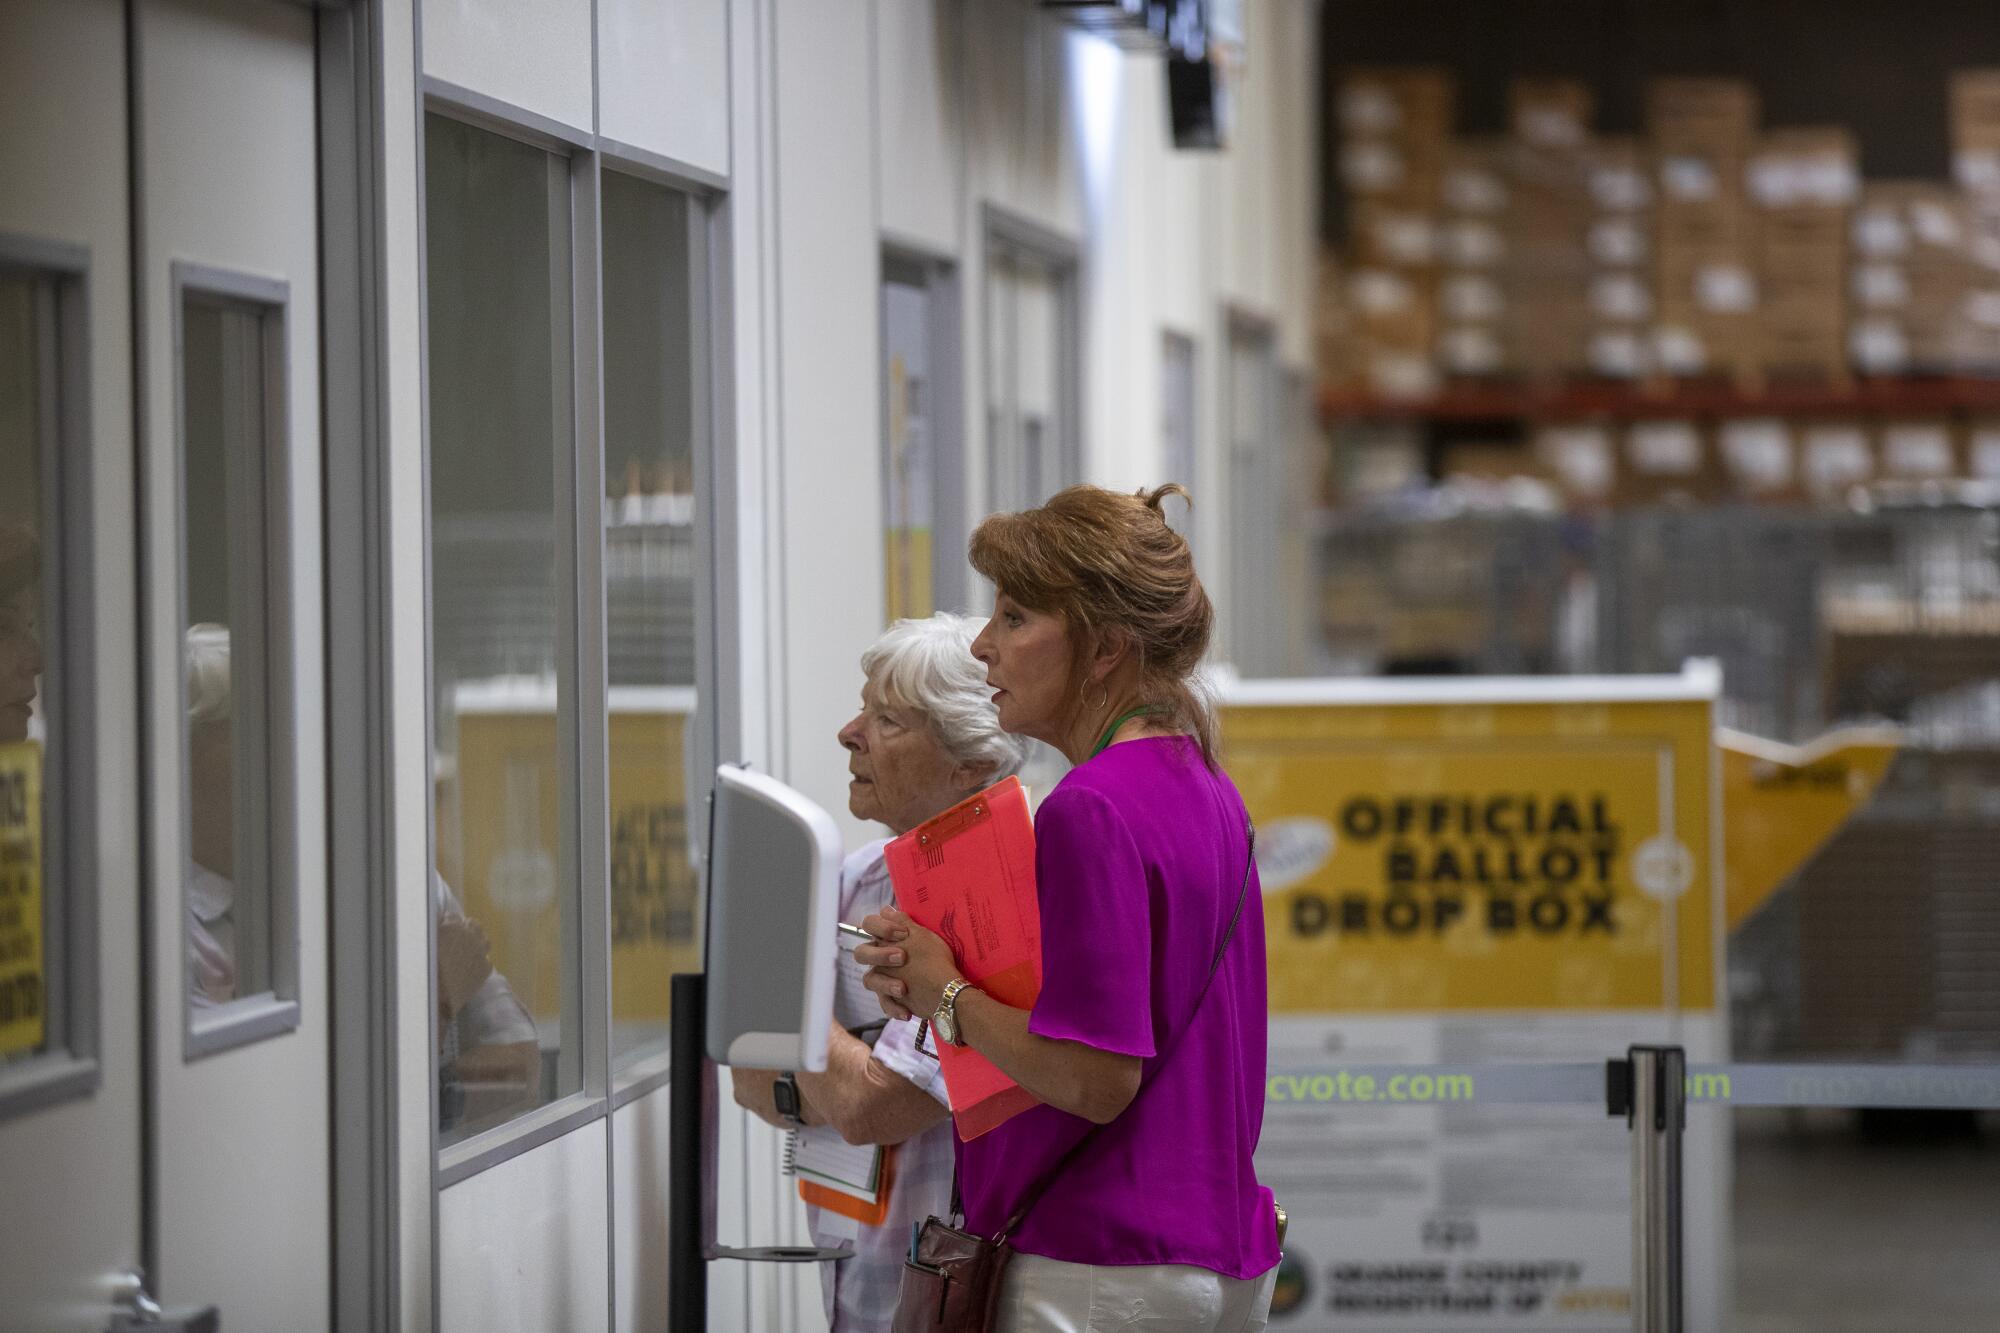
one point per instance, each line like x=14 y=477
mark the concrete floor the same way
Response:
x=1835 y=1234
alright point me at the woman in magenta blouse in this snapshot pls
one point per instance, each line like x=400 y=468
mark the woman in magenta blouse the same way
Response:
x=1142 y=858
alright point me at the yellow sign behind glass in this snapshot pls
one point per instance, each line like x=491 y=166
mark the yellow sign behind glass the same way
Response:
x=23 y=991
x=1450 y=856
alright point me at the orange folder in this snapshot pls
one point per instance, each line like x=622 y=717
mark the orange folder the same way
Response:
x=969 y=875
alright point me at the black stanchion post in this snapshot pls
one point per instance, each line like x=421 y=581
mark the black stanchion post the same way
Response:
x=688 y=1196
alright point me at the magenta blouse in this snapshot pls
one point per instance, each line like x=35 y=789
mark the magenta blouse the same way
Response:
x=1139 y=858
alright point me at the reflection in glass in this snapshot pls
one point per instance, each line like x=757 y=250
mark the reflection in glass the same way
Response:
x=27 y=900
x=654 y=362
x=227 y=424
x=501 y=433
x=909 y=462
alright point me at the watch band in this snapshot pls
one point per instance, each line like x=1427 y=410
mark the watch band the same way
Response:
x=785 y=1097
x=948 y=1007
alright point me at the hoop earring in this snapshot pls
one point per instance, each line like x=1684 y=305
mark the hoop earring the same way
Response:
x=1104 y=698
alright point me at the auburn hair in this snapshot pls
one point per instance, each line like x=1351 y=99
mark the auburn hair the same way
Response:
x=1105 y=564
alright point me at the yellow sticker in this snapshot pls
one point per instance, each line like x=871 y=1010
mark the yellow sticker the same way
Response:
x=1482 y=856
x=23 y=1006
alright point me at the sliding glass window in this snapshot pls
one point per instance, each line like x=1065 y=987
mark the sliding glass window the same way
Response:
x=503 y=659
x=655 y=413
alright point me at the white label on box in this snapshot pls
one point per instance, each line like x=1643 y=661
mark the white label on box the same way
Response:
x=1881 y=286
x=1836 y=457
x=1679 y=350
x=1977 y=170
x=1620 y=296
x=1879 y=233
x=1402 y=375
x=1369 y=168
x=1474 y=190
x=1367 y=108
x=1377 y=291
x=1688 y=178
x=1916 y=450
x=1548 y=127
x=1471 y=351
x=1985 y=454
x=1405 y=238
x=1620 y=189
x=1474 y=245
x=1471 y=298
x=1616 y=242
x=1580 y=456
x=1618 y=353
x=1794 y=182
x=1664 y=448
x=1985 y=252
x=1758 y=451
x=1982 y=309
x=1935 y=224
x=1879 y=346
x=1725 y=288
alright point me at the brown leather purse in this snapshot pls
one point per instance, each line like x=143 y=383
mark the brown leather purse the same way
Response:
x=951 y=1281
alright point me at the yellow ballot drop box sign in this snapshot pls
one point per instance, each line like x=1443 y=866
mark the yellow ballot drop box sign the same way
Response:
x=23 y=1009
x=1432 y=854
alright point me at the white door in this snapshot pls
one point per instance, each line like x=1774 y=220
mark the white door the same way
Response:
x=234 y=788
x=163 y=1002
x=70 y=1084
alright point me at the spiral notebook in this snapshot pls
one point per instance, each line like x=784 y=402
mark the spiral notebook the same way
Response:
x=852 y=1179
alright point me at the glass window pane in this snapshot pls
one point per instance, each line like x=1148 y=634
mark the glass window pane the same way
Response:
x=234 y=886
x=909 y=445
x=28 y=548
x=501 y=439
x=654 y=362
x=1177 y=423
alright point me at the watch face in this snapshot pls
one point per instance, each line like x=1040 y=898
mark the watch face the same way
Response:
x=946 y=1028
x=785 y=1096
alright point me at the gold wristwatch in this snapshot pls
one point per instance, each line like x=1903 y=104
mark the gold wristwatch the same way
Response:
x=945 y=1021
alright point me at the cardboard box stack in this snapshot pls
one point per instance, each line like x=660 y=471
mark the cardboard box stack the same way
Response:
x=1549 y=219
x=1975 y=143
x=1395 y=128
x=1620 y=250
x=1910 y=276
x=1472 y=261
x=1804 y=184
x=1702 y=133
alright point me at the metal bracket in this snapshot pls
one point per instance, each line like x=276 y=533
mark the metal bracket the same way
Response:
x=1649 y=1088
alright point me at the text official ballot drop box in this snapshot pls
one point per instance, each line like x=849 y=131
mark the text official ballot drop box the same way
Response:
x=1478 y=873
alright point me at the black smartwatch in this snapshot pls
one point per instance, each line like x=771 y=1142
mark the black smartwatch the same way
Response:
x=785 y=1096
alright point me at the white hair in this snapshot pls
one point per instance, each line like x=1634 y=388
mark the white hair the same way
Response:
x=207 y=674
x=928 y=665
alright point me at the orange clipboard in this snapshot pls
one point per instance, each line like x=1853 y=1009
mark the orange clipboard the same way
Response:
x=834 y=1201
x=969 y=875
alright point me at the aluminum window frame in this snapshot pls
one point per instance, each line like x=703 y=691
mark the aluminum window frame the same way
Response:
x=583 y=736
x=70 y=1065
x=938 y=276
x=272 y=802
x=1247 y=479
x=1018 y=239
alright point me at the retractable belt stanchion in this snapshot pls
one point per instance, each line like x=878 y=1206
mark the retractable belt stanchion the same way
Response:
x=1649 y=1088
x=690 y=1225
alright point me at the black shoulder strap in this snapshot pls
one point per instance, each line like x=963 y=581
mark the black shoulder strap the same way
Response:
x=1034 y=1195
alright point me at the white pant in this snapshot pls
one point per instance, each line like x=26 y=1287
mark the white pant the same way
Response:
x=1049 y=1296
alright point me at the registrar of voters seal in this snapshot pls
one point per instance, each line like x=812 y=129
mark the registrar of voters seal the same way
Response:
x=1663 y=867
x=1290 y=851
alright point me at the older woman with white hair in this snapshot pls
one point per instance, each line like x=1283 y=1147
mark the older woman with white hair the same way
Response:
x=927 y=736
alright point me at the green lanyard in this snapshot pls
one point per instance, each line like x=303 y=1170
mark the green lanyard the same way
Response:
x=1122 y=719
